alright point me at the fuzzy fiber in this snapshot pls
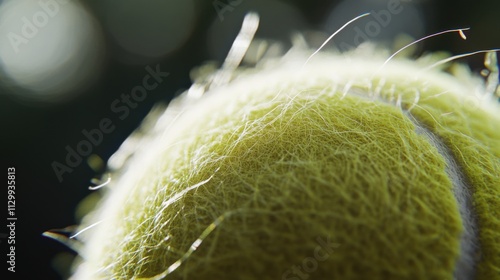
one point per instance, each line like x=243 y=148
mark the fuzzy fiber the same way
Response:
x=316 y=172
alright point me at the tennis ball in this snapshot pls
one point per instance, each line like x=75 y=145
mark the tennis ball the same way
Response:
x=337 y=169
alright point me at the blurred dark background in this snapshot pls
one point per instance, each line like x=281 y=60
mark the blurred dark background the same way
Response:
x=63 y=64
